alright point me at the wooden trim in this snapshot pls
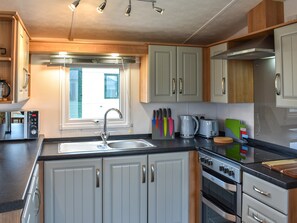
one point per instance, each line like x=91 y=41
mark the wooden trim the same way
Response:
x=11 y=217
x=292 y=206
x=206 y=74
x=144 y=80
x=40 y=47
x=41 y=189
x=194 y=190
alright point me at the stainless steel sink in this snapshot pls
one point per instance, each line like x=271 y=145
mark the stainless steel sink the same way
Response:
x=129 y=144
x=98 y=146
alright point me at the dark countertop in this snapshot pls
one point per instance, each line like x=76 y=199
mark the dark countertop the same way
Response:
x=17 y=161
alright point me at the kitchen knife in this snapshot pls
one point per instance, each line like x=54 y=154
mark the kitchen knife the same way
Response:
x=161 y=122
x=165 y=121
x=170 y=121
x=154 y=118
x=157 y=119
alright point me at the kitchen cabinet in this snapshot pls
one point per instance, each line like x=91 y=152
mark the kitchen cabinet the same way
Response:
x=265 y=202
x=286 y=66
x=22 y=70
x=125 y=189
x=14 y=57
x=168 y=188
x=171 y=74
x=231 y=81
x=73 y=191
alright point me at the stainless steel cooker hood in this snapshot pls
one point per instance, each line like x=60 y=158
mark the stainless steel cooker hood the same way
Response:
x=250 y=50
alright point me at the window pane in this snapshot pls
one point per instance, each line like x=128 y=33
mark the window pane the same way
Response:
x=92 y=91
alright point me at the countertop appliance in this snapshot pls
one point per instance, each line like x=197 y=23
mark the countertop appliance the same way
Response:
x=221 y=191
x=189 y=126
x=208 y=128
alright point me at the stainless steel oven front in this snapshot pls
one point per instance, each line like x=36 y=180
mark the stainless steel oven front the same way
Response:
x=221 y=190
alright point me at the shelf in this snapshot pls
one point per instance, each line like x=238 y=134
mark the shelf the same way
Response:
x=5 y=101
x=5 y=59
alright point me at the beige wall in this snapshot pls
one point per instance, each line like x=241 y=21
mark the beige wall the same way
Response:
x=45 y=97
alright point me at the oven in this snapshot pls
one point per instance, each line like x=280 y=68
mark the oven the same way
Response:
x=221 y=190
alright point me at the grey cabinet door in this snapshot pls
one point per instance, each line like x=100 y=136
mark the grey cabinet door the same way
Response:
x=189 y=74
x=219 y=77
x=168 y=188
x=162 y=72
x=125 y=189
x=73 y=191
x=286 y=66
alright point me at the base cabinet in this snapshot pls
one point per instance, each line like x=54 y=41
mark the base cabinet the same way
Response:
x=135 y=189
x=73 y=191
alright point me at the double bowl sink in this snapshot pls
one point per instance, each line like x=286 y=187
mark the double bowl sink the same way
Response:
x=99 y=146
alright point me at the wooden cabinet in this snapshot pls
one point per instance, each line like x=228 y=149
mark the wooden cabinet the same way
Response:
x=125 y=189
x=168 y=188
x=73 y=191
x=14 y=56
x=231 y=80
x=286 y=66
x=171 y=74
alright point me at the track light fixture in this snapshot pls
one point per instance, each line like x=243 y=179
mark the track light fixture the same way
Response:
x=128 y=10
x=157 y=9
x=101 y=7
x=74 y=5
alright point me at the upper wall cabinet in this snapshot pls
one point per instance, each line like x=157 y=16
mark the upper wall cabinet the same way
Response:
x=14 y=58
x=171 y=74
x=286 y=66
x=231 y=80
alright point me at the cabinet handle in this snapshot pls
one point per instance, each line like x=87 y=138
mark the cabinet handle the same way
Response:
x=26 y=82
x=181 y=86
x=152 y=173
x=173 y=86
x=258 y=219
x=277 y=84
x=97 y=178
x=37 y=193
x=143 y=174
x=223 y=85
x=261 y=192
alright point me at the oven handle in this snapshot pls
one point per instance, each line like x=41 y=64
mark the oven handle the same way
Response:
x=217 y=181
x=219 y=211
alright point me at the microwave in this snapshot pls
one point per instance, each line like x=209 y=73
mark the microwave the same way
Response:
x=19 y=125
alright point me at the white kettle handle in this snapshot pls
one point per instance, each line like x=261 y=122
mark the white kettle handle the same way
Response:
x=197 y=124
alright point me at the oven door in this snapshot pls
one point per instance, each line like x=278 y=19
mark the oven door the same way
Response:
x=221 y=197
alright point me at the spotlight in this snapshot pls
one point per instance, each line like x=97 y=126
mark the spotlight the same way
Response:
x=74 y=5
x=158 y=9
x=101 y=7
x=128 y=10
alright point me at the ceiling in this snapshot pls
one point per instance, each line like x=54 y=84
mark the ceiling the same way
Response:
x=184 y=21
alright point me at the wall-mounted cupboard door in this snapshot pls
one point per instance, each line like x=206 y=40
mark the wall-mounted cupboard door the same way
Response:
x=189 y=74
x=286 y=66
x=162 y=72
x=125 y=189
x=168 y=188
x=22 y=69
x=73 y=191
x=219 y=77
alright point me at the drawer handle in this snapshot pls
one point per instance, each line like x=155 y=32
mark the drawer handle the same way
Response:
x=261 y=192
x=173 y=86
x=277 y=82
x=152 y=173
x=97 y=178
x=258 y=219
x=223 y=85
x=143 y=174
x=181 y=86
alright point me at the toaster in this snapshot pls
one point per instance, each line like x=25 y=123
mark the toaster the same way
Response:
x=208 y=128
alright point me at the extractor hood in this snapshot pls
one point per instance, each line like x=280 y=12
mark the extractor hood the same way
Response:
x=249 y=50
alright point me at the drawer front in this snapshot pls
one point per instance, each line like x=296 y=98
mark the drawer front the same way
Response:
x=268 y=193
x=254 y=211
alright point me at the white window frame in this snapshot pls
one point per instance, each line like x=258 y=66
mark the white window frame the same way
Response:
x=83 y=124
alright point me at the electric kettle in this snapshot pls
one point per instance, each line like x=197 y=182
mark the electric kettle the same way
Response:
x=189 y=126
x=4 y=89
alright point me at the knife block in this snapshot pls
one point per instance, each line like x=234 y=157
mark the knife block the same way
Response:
x=158 y=131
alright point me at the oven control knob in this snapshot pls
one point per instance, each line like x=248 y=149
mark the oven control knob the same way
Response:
x=231 y=173
x=202 y=159
x=226 y=170
x=221 y=168
x=210 y=163
x=206 y=160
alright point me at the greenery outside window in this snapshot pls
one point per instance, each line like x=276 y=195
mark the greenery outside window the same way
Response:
x=111 y=86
